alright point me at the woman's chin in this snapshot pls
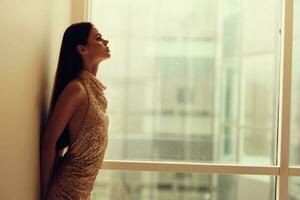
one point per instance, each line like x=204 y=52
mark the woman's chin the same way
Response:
x=104 y=58
x=108 y=55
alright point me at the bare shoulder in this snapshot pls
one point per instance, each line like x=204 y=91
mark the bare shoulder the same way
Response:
x=75 y=85
x=75 y=90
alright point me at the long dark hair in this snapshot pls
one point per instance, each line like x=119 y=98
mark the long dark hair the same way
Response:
x=69 y=66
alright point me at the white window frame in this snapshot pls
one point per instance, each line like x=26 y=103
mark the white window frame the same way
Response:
x=281 y=170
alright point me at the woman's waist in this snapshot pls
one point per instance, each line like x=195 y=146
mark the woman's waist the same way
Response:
x=81 y=160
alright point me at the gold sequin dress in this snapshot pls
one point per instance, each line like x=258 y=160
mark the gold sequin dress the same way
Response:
x=76 y=172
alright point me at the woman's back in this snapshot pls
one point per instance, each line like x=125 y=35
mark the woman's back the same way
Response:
x=76 y=121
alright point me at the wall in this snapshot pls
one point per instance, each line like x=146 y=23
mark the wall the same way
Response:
x=30 y=38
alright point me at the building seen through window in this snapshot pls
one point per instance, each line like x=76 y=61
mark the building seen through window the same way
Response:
x=192 y=81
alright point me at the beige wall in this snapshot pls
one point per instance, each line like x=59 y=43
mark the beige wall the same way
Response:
x=30 y=37
x=79 y=11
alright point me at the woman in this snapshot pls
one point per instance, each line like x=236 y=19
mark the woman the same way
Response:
x=78 y=121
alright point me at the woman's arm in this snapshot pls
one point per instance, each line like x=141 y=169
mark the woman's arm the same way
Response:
x=71 y=97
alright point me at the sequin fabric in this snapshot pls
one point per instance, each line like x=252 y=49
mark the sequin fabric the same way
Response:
x=76 y=172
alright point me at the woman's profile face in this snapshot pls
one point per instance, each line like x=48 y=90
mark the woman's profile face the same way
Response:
x=97 y=46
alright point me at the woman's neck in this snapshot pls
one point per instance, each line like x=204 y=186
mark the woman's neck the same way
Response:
x=91 y=68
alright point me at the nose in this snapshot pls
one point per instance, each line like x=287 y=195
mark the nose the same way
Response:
x=105 y=42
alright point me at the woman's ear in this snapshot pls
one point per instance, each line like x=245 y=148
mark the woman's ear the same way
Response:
x=81 y=50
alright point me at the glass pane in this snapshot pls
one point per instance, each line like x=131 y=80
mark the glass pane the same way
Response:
x=294 y=188
x=196 y=83
x=295 y=105
x=135 y=185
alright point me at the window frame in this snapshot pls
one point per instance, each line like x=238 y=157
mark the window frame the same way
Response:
x=281 y=170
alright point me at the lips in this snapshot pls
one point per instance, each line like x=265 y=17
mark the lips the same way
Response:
x=107 y=49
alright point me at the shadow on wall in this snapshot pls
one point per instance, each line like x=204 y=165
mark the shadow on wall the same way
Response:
x=43 y=97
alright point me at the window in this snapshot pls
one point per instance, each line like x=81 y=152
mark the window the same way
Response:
x=195 y=96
